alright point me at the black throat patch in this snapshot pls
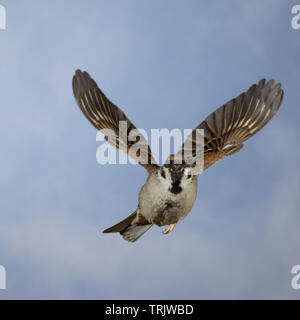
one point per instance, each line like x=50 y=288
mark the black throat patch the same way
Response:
x=176 y=171
x=175 y=187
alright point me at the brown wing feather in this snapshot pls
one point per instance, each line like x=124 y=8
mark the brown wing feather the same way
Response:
x=229 y=126
x=103 y=114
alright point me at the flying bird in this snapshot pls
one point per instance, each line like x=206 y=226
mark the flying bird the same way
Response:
x=170 y=190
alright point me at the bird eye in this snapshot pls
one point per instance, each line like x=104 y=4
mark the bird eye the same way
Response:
x=162 y=172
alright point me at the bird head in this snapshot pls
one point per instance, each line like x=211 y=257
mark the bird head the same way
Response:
x=176 y=175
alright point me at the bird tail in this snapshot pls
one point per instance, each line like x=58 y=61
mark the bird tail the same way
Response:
x=130 y=231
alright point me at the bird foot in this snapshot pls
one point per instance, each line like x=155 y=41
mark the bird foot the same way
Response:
x=169 y=229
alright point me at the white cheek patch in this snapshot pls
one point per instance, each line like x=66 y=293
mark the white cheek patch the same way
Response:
x=185 y=177
x=167 y=181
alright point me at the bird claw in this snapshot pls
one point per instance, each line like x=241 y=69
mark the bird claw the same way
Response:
x=169 y=229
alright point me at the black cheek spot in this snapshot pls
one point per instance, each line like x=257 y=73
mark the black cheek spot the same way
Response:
x=162 y=172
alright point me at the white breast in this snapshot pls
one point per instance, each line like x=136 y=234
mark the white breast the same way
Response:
x=157 y=203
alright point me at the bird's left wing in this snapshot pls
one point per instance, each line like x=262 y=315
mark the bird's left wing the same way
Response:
x=108 y=118
x=236 y=121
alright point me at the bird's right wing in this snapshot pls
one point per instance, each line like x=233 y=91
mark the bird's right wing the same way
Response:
x=106 y=117
x=229 y=126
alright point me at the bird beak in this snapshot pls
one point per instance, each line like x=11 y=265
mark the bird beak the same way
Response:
x=176 y=176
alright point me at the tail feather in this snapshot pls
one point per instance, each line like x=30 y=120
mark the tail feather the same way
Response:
x=135 y=231
x=130 y=232
x=122 y=225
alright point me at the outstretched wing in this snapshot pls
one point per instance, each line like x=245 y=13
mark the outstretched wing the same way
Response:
x=109 y=119
x=229 y=126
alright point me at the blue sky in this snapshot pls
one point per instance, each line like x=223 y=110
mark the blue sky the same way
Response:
x=167 y=64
